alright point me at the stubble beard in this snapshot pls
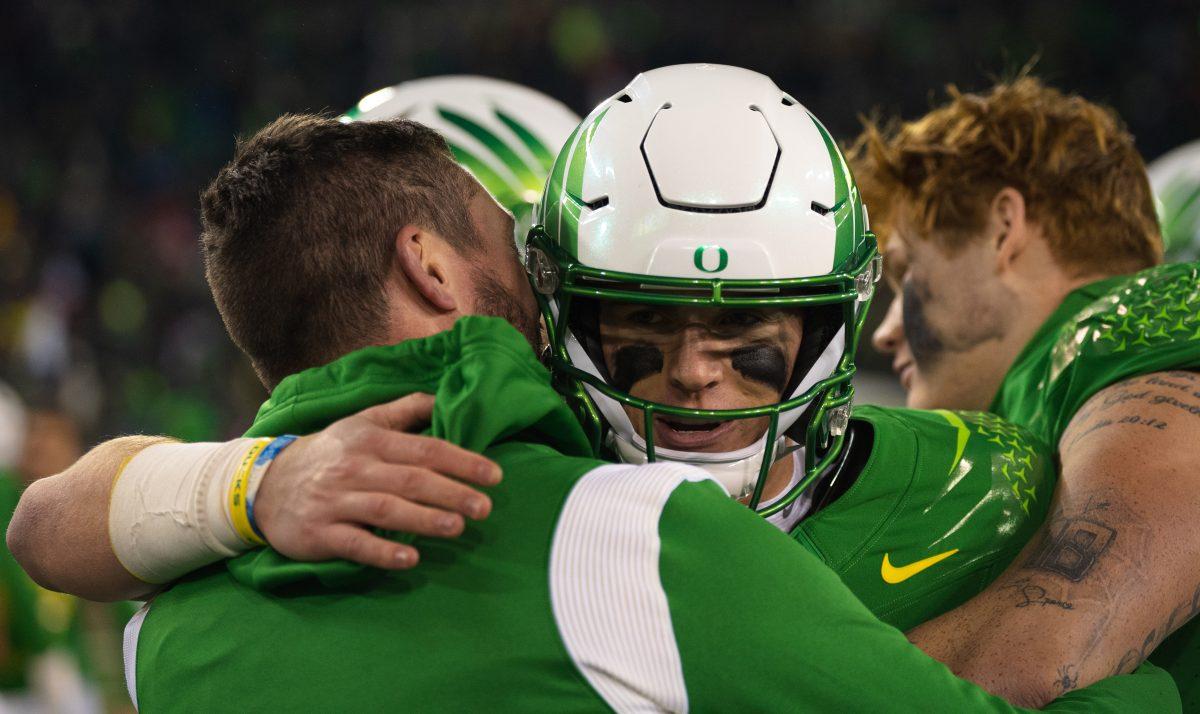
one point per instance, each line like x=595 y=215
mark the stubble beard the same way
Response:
x=493 y=300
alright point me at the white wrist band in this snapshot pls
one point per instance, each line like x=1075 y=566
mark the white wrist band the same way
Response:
x=175 y=507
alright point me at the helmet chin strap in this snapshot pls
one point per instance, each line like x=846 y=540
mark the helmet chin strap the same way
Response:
x=736 y=471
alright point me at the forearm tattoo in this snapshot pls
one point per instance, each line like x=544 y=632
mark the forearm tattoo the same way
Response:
x=1178 y=390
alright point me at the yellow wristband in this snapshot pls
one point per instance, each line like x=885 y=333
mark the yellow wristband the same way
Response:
x=238 y=490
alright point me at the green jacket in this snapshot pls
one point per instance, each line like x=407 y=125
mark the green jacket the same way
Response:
x=590 y=587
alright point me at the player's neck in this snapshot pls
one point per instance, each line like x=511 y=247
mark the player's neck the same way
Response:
x=779 y=477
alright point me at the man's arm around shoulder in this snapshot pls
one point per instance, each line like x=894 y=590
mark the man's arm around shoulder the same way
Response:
x=1113 y=571
x=320 y=498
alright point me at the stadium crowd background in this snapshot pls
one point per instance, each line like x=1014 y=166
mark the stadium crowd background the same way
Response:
x=115 y=115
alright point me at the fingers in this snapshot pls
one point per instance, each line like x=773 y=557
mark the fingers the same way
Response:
x=397 y=445
x=408 y=413
x=439 y=456
x=355 y=544
x=424 y=487
x=392 y=513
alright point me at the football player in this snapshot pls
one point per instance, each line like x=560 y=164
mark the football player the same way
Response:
x=708 y=312
x=747 y=373
x=1021 y=232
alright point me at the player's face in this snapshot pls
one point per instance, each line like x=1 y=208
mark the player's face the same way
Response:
x=702 y=358
x=950 y=309
x=500 y=284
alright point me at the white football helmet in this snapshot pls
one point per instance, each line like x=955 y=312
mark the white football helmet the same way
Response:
x=707 y=185
x=505 y=134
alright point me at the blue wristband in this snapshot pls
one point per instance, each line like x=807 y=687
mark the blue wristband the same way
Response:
x=260 y=467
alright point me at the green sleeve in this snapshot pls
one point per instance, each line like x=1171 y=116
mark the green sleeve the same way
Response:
x=762 y=625
x=1149 y=323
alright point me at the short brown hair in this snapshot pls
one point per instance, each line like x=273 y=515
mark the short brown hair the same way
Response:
x=298 y=232
x=1073 y=161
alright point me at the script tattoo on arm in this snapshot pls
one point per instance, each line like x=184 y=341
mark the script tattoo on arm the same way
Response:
x=1072 y=555
x=1178 y=391
x=1030 y=593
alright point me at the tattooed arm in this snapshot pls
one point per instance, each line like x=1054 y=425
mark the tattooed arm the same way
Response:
x=1113 y=571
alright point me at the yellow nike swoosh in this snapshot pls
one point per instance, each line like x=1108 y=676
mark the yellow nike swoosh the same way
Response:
x=893 y=575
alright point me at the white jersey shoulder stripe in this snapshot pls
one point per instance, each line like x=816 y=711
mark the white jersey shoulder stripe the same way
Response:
x=608 y=599
x=133 y=629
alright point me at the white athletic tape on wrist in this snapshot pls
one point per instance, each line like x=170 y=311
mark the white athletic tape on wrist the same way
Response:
x=170 y=508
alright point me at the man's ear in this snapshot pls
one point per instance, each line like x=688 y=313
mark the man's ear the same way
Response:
x=421 y=256
x=1008 y=228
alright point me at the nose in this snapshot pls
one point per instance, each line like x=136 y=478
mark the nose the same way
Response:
x=890 y=334
x=692 y=367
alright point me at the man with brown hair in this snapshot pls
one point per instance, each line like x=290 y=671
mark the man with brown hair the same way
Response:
x=337 y=282
x=296 y=289
x=1015 y=223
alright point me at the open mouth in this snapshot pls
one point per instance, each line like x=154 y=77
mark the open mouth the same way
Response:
x=691 y=425
x=684 y=434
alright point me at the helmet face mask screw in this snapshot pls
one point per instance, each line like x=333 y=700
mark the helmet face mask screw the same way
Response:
x=543 y=273
x=864 y=283
x=839 y=420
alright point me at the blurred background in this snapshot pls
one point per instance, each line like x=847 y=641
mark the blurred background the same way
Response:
x=114 y=116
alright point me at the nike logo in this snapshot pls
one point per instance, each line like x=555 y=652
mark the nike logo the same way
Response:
x=893 y=575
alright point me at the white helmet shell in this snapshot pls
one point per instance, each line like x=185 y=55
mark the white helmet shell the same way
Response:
x=505 y=134
x=687 y=155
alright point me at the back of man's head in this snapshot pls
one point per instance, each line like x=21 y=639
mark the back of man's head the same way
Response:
x=299 y=230
x=1073 y=161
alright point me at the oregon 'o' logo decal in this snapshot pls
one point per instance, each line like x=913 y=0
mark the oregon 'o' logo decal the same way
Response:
x=703 y=256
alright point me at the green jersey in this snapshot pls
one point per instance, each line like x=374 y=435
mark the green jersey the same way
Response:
x=590 y=587
x=943 y=503
x=1103 y=333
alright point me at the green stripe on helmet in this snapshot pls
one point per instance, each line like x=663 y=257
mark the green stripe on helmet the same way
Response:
x=525 y=175
x=539 y=150
x=847 y=214
x=550 y=207
x=487 y=176
x=561 y=204
x=579 y=160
